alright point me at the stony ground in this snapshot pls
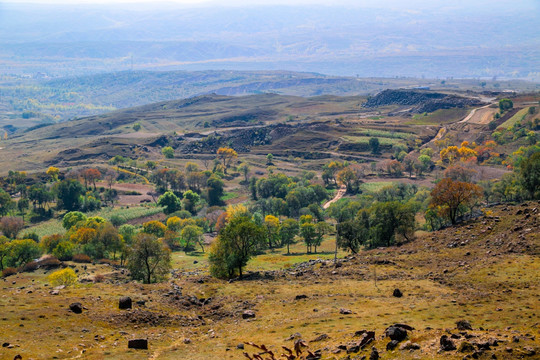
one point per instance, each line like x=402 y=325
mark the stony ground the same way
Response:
x=469 y=291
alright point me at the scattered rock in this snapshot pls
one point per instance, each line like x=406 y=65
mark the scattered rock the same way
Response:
x=321 y=338
x=17 y=357
x=240 y=346
x=465 y=347
x=368 y=337
x=141 y=344
x=374 y=354
x=76 y=307
x=397 y=293
x=54 y=292
x=408 y=345
x=187 y=341
x=463 y=325
x=300 y=297
x=529 y=351
x=124 y=303
x=392 y=345
x=248 y=314
x=6 y=344
x=396 y=333
x=447 y=344
x=294 y=337
x=345 y=311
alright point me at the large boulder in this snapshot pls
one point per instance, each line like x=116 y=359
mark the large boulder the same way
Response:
x=76 y=307
x=463 y=325
x=124 y=303
x=396 y=333
x=141 y=344
x=447 y=344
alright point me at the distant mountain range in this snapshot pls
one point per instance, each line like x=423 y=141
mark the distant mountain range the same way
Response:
x=460 y=39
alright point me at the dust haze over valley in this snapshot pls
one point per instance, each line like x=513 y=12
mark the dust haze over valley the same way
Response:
x=289 y=180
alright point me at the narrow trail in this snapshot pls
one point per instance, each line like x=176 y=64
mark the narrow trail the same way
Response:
x=342 y=190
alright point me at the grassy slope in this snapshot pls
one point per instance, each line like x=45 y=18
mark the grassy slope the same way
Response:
x=489 y=280
x=519 y=116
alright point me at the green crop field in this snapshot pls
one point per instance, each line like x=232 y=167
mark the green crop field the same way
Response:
x=519 y=116
x=54 y=226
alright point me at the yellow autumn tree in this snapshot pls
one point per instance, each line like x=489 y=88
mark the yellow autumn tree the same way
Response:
x=271 y=224
x=53 y=173
x=226 y=155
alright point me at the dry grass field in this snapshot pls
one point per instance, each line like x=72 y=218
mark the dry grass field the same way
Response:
x=484 y=271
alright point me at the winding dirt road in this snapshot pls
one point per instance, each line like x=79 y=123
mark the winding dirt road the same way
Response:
x=341 y=192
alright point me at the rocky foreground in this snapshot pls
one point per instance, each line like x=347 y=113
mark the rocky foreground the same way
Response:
x=466 y=292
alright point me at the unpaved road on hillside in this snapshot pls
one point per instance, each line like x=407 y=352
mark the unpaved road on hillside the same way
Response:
x=342 y=190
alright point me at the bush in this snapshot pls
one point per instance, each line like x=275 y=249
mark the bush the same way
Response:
x=32 y=236
x=30 y=267
x=117 y=220
x=22 y=251
x=154 y=227
x=182 y=214
x=81 y=258
x=71 y=218
x=64 y=250
x=63 y=277
x=8 y=272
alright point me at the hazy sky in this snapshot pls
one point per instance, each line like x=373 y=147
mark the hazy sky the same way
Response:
x=190 y=2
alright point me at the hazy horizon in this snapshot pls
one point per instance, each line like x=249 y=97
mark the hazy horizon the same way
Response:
x=366 y=38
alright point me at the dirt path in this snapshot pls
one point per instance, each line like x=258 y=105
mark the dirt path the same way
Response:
x=471 y=114
x=342 y=190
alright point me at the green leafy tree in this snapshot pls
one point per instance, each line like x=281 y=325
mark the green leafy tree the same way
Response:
x=23 y=205
x=215 y=190
x=5 y=202
x=191 y=199
x=170 y=202
x=191 y=235
x=351 y=235
x=168 y=152
x=69 y=194
x=389 y=219
x=149 y=260
x=321 y=228
x=374 y=145
x=244 y=170
x=237 y=242
x=154 y=227
x=72 y=218
x=287 y=232
x=22 y=252
x=505 y=104
x=530 y=175
x=64 y=250
x=4 y=250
